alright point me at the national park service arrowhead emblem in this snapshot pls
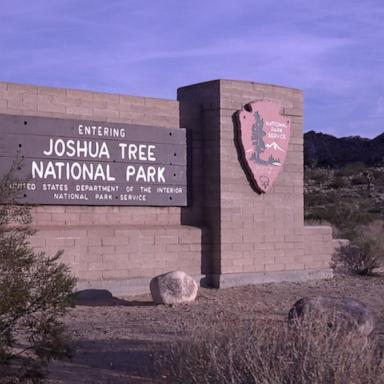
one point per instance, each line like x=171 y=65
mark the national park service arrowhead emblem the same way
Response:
x=263 y=136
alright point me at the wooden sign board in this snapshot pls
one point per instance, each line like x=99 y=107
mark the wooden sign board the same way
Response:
x=79 y=162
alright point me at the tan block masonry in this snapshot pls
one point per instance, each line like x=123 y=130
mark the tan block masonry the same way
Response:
x=253 y=236
x=228 y=231
x=277 y=216
x=104 y=244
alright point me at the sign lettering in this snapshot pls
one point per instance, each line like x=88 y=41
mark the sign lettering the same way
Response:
x=77 y=162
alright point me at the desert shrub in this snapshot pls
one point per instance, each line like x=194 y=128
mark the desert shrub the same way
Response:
x=273 y=353
x=313 y=199
x=362 y=256
x=359 y=179
x=379 y=180
x=34 y=292
x=316 y=204
x=377 y=172
x=318 y=175
x=374 y=231
x=347 y=216
x=352 y=197
x=339 y=182
x=352 y=169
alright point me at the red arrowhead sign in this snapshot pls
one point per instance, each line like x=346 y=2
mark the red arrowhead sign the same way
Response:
x=263 y=137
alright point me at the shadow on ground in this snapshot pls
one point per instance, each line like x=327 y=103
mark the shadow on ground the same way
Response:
x=107 y=361
x=102 y=297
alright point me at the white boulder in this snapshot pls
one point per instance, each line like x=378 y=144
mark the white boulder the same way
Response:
x=173 y=288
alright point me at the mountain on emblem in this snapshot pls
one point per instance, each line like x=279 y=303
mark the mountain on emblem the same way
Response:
x=263 y=134
x=275 y=146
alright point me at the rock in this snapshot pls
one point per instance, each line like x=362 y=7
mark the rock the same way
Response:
x=345 y=312
x=173 y=288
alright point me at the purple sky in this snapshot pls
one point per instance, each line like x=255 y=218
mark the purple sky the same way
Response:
x=332 y=50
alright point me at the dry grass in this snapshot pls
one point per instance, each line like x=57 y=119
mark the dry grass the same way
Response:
x=365 y=252
x=273 y=353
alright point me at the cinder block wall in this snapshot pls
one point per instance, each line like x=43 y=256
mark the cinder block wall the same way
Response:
x=254 y=237
x=261 y=232
x=229 y=233
x=106 y=244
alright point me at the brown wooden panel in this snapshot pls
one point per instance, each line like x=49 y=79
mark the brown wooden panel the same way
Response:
x=70 y=128
x=97 y=194
x=118 y=164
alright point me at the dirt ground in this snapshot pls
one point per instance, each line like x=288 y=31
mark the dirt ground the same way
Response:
x=113 y=339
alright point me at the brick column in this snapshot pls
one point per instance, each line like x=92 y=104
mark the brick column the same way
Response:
x=253 y=237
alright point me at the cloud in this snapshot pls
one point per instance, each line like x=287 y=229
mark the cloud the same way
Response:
x=332 y=50
x=378 y=110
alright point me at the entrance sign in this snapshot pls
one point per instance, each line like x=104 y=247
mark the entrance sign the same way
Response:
x=263 y=134
x=78 y=162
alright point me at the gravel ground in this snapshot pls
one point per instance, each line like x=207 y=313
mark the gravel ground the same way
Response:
x=113 y=339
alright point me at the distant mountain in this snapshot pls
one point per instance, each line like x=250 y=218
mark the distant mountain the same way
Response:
x=329 y=151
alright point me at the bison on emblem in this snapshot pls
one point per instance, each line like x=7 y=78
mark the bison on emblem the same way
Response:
x=263 y=134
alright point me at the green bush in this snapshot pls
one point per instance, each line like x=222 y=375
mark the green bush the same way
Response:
x=34 y=292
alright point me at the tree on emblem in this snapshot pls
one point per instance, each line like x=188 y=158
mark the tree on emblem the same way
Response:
x=273 y=161
x=257 y=138
x=259 y=144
